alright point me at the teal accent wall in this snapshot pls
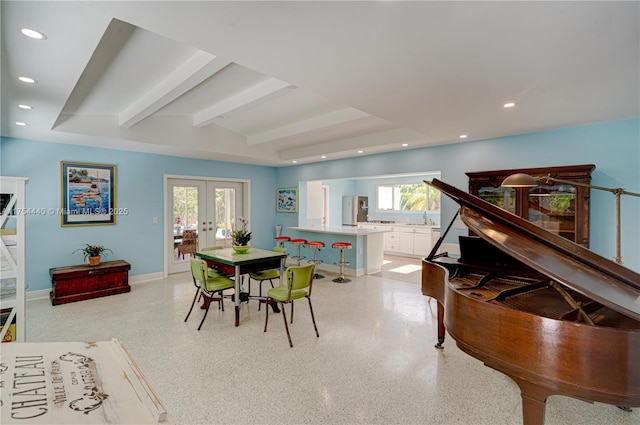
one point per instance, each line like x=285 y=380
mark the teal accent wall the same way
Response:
x=613 y=147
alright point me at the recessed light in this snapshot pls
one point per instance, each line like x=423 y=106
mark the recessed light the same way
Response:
x=294 y=161
x=23 y=106
x=509 y=105
x=31 y=33
x=20 y=123
x=27 y=80
x=360 y=151
x=405 y=145
x=463 y=136
x=323 y=156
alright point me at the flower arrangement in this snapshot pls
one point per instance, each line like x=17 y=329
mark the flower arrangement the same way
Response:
x=93 y=251
x=241 y=237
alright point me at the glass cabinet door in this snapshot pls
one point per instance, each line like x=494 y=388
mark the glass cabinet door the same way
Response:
x=503 y=197
x=553 y=208
x=562 y=209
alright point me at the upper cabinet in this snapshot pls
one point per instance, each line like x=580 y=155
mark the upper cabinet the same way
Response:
x=559 y=208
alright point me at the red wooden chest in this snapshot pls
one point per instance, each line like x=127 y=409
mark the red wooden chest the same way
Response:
x=77 y=283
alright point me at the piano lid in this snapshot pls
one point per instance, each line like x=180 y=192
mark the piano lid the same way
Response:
x=562 y=260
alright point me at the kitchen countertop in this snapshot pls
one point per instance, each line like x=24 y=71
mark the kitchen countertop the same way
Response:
x=408 y=225
x=339 y=230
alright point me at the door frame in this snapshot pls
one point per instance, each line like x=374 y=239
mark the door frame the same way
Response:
x=325 y=212
x=167 y=235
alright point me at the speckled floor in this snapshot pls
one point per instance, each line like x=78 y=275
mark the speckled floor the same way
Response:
x=374 y=362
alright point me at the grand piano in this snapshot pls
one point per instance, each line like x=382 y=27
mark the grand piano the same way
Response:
x=552 y=315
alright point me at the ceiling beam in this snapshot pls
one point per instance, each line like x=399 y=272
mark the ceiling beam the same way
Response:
x=367 y=142
x=306 y=126
x=244 y=98
x=194 y=71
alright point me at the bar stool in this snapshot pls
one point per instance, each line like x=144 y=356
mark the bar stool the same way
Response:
x=280 y=240
x=341 y=246
x=317 y=246
x=298 y=243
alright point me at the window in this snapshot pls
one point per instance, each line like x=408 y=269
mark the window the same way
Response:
x=407 y=197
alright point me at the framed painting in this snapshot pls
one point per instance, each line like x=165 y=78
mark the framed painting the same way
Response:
x=287 y=199
x=88 y=194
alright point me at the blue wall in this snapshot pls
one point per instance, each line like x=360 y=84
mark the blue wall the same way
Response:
x=613 y=147
x=140 y=179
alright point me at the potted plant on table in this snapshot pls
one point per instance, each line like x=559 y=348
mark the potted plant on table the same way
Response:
x=93 y=253
x=240 y=238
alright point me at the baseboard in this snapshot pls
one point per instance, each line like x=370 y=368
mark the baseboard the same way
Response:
x=44 y=293
x=38 y=295
x=336 y=270
x=145 y=278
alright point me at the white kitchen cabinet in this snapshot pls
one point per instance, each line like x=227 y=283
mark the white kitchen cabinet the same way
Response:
x=12 y=256
x=422 y=244
x=411 y=240
x=405 y=242
x=391 y=237
x=392 y=241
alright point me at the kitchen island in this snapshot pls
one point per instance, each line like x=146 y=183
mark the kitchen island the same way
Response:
x=366 y=255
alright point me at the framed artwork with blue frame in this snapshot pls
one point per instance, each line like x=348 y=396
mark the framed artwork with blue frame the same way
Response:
x=287 y=199
x=88 y=194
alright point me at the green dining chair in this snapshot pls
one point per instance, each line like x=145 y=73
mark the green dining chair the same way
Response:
x=210 y=287
x=266 y=275
x=299 y=281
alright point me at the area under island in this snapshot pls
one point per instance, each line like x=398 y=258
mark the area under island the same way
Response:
x=366 y=255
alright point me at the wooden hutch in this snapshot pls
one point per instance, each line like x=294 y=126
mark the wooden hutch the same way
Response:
x=560 y=208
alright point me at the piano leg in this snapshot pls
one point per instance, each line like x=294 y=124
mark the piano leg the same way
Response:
x=440 y=326
x=534 y=398
x=532 y=411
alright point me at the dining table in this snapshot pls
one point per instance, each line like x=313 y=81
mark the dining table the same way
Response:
x=227 y=261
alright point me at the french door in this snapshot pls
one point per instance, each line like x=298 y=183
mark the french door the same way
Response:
x=210 y=208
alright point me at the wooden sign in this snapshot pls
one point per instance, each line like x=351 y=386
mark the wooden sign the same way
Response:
x=74 y=383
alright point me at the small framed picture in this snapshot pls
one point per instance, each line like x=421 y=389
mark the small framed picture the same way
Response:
x=88 y=194
x=287 y=199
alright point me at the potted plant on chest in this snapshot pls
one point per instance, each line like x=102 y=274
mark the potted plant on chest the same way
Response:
x=93 y=253
x=240 y=238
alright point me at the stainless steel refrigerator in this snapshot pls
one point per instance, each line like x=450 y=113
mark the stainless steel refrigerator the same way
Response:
x=354 y=209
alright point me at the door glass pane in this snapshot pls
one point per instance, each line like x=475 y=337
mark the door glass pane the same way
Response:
x=225 y=215
x=185 y=221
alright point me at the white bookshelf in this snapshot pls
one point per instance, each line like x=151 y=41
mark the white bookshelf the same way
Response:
x=12 y=254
